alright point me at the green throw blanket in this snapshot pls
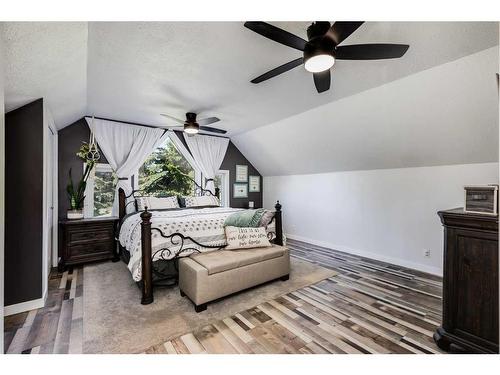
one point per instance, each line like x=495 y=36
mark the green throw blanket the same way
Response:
x=247 y=218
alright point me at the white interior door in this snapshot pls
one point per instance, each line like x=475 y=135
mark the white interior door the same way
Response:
x=50 y=198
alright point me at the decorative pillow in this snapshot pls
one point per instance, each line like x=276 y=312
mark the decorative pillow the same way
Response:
x=155 y=203
x=244 y=219
x=246 y=238
x=266 y=218
x=204 y=200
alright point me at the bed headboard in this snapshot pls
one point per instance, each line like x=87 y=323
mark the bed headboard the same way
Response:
x=122 y=197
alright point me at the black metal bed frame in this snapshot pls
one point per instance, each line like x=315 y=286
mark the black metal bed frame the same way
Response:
x=180 y=244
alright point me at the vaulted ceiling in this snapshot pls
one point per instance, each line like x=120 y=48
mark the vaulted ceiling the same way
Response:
x=133 y=71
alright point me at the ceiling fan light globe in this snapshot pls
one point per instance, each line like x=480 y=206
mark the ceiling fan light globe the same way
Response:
x=191 y=128
x=319 y=63
x=191 y=131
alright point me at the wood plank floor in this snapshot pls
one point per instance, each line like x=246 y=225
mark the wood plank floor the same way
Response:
x=55 y=328
x=369 y=307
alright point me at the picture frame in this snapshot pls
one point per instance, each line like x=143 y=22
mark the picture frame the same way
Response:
x=240 y=190
x=241 y=173
x=254 y=184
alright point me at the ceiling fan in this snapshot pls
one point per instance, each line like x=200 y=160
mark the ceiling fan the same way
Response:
x=322 y=49
x=192 y=126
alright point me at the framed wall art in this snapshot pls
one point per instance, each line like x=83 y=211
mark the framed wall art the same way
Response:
x=240 y=190
x=241 y=173
x=254 y=184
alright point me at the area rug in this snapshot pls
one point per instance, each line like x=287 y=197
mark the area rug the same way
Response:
x=114 y=321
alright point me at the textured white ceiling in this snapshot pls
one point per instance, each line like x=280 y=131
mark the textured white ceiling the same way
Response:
x=444 y=115
x=49 y=60
x=134 y=71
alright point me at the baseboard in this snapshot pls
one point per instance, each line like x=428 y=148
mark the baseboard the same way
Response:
x=397 y=261
x=25 y=306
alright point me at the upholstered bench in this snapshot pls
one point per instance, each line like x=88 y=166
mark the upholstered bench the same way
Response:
x=209 y=276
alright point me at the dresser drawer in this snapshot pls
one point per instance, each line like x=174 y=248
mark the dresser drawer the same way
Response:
x=84 y=235
x=90 y=250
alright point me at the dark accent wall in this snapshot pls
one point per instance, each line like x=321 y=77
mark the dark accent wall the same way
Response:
x=24 y=203
x=70 y=139
x=235 y=157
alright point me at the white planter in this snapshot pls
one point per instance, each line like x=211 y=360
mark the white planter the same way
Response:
x=75 y=214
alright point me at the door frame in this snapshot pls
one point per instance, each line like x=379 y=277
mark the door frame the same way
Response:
x=55 y=197
x=227 y=195
x=49 y=127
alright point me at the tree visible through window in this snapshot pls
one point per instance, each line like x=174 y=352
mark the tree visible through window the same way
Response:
x=100 y=191
x=166 y=173
x=104 y=191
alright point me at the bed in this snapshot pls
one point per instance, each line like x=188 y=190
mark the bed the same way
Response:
x=152 y=241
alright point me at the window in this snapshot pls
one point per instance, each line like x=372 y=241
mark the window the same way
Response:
x=222 y=182
x=100 y=191
x=166 y=173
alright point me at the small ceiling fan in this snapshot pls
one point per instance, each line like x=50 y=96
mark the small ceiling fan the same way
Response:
x=322 y=49
x=192 y=126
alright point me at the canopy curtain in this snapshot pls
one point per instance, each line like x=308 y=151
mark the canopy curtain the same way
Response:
x=179 y=145
x=126 y=147
x=208 y=153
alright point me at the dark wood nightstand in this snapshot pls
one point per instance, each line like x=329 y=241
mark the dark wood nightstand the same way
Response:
x=87 y=240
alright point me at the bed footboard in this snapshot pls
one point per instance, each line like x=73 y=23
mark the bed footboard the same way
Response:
x=146 y=246
x=147 y=261
x=279 y=224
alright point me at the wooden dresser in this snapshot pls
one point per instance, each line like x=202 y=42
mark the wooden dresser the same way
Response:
x=87 y=240
x=470 y=283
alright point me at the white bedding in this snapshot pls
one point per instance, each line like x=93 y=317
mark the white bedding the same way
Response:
x=204 y=225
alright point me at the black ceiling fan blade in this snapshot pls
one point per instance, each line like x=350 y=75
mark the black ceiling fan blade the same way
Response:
x=374 y=51
x=166 y=127
x=342 y=29
x=173 y=118
x=207 y=121
x=276 y=34
x=279 y=70
x=212 y=130
x=322 y=81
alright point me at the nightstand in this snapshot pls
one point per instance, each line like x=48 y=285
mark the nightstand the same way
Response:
x=87 y=240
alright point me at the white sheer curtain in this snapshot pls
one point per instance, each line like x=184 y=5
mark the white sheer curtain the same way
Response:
x=126 y=147
x=179 y=145
x=208 y=153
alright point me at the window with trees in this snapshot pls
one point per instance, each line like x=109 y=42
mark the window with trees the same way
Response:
x=166 y=173
x=100 y=191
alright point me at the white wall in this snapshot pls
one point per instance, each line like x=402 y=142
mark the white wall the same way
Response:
x=2 y=184
x=441 y=116
x=387 y=214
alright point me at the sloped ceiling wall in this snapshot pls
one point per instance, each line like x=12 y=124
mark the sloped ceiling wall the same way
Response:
x=379 y=114
x=47 y=60
x=440 y=116
x=138 y=70
x=134 y=71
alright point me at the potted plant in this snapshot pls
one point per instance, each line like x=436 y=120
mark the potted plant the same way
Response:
x=76 y=192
